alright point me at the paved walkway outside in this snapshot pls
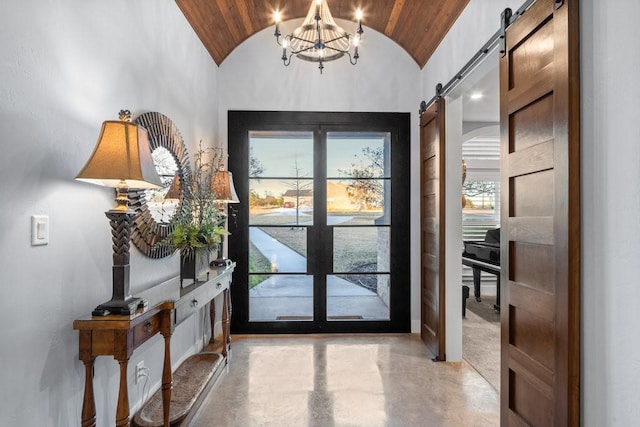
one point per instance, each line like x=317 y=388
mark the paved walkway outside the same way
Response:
x=291 y=296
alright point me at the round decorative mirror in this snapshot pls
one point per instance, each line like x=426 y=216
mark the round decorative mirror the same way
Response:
x=156 y=208
x=163 y=202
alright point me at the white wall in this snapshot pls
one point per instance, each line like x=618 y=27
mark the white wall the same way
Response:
x=253 y=78
x=610 y=131
x=386 y=79
x=65 y=67
x=475 y=25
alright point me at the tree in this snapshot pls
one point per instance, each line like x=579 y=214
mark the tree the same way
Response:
x=479 y=188
x=366 y=189
x=298 y=184
x=256 y=168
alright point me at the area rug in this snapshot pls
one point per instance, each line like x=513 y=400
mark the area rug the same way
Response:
x=484 y=309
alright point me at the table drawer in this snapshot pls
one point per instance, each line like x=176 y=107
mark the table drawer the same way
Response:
x=188 y=308
x=146 y=330
x=196 y=299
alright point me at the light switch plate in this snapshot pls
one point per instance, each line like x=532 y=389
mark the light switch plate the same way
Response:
x=39 y=230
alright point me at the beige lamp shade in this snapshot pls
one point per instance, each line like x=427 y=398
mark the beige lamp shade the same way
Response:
x=122 y=153
x=174 y=190
x=223 y=189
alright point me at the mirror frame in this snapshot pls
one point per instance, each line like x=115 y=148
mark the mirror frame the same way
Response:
x=146 y=233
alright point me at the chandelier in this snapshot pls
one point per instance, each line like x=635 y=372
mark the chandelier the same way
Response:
x=319 y=38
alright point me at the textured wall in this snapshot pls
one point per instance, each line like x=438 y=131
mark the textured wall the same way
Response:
x=65 y=67
x=610 y=63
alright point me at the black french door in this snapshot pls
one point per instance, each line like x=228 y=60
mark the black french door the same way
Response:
x=321 y=234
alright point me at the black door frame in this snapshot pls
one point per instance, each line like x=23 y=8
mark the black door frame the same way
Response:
x=240 y=123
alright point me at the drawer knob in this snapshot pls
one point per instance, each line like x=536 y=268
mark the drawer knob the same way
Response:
x=194 y=303
x=148 y=327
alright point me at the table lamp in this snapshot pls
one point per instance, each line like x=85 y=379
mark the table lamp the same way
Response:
x=222 y=185
x=122 y=160
x=224 y=192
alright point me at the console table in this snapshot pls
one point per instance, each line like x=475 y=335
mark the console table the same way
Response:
x=119 y=335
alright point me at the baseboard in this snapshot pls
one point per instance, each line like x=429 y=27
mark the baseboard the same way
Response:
x=415 y=326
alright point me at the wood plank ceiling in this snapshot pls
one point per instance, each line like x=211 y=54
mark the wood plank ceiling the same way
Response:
x=416 y=25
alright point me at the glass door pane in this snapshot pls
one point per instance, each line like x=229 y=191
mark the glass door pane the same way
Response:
x=280 y=212
x=358 y=212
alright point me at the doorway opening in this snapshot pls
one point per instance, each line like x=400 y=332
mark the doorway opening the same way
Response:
x=480 y=154
x=321 y=243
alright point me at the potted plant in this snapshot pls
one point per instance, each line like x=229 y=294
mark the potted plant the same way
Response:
x=199 y=228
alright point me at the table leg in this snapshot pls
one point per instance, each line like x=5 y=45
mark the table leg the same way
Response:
x=122 y=411
x=88 y=402
x=212 y=321
x=166 y=329
x=226 y=322
x=167 y=381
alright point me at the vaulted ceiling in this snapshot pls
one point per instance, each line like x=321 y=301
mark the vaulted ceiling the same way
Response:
x=416 y=25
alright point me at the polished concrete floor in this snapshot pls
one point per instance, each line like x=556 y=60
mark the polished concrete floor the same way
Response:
x=345 y=380
x=481 y=339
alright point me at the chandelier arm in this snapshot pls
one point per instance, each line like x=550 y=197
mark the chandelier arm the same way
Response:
x=295 y=52
x=294 y=37
x=337 y=50
x=355 y=58
x=311 y=44
x=344 y=36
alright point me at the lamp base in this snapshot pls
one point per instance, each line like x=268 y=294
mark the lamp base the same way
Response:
x=116 y=306
x=220 y=262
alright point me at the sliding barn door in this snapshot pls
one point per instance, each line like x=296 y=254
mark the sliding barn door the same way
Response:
x=432 y=219
x=540 y=249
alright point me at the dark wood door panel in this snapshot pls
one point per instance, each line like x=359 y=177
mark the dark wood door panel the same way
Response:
x=531 y=333
x=429 y=205
x=432 y=226
x=531 y=54
x=532 y=123
x=534 y=406
x=531 y=159
x=524 y=265
x=532 y=194
x=539 y=244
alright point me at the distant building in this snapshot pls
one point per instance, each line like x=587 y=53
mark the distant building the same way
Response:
x=299 y=198
x=338 y=197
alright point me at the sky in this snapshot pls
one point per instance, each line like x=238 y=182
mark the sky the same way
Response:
x=280 y=156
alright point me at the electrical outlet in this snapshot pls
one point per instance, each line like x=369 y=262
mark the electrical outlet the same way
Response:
x=141 y=371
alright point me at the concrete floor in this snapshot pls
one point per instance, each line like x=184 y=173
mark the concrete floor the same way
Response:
x=345 y=380
x=481 y=341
